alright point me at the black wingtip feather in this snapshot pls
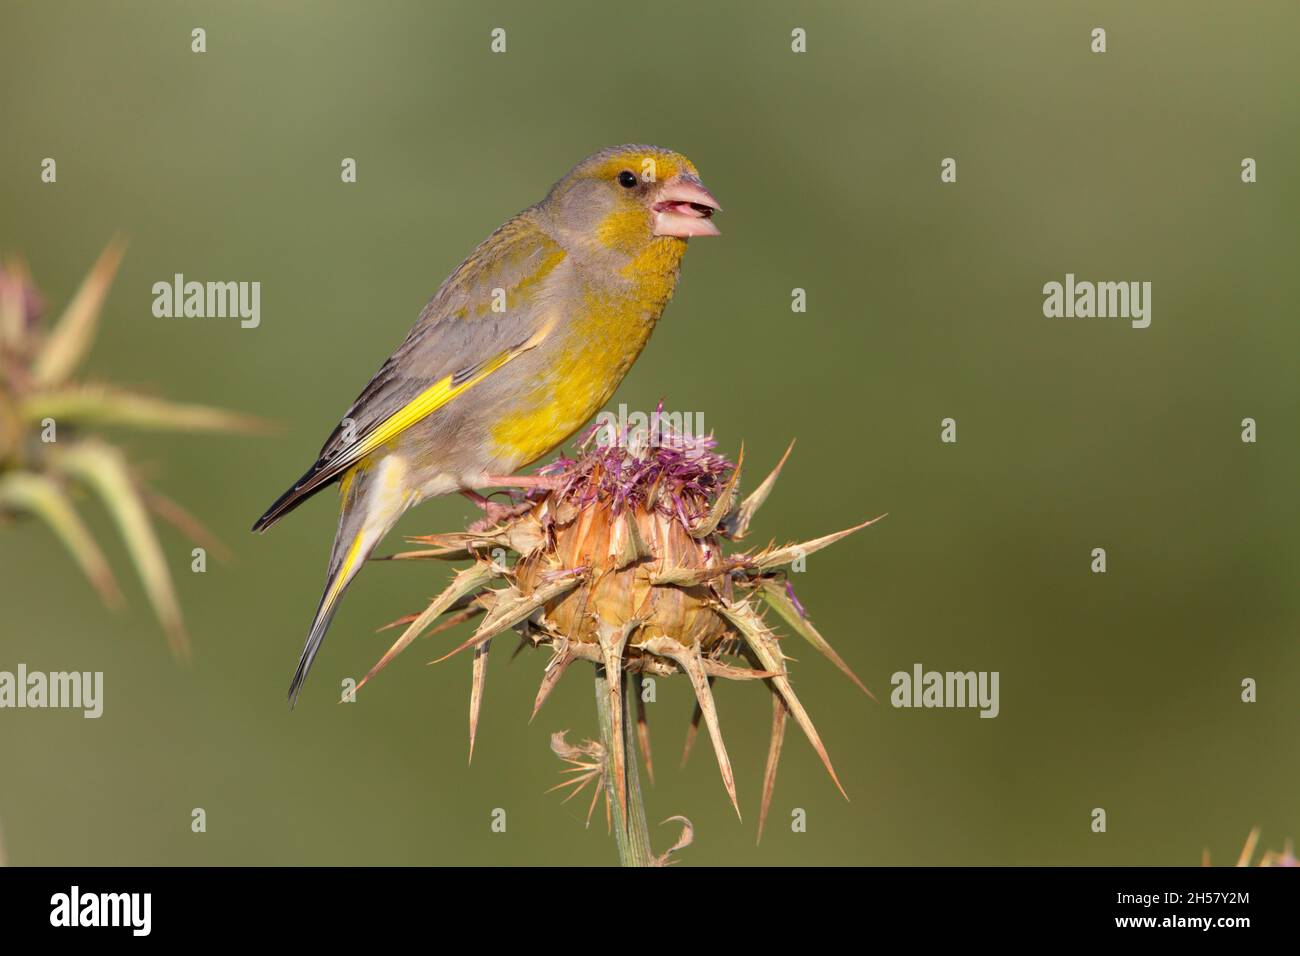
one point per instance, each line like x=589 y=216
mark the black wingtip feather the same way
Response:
x=302 y=489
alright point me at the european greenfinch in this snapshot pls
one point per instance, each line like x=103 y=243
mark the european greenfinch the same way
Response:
x=521 y=345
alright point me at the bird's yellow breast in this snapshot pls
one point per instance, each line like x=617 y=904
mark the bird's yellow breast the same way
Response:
x=595 y=346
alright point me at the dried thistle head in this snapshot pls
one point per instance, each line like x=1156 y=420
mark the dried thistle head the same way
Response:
x=621 y=560
x=46 y=454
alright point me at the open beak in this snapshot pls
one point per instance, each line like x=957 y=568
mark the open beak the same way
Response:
x=684 y=208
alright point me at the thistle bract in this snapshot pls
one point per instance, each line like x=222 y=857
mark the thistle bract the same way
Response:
x=47 y=450
x=622 y=560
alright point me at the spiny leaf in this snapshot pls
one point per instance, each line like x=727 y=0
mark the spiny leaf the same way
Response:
x=477 y=682
x=642 y=726
x=684 y=576
x=39 y=496
x=466 y=606
x=722 y=503
x=1248 y=851
x=779 y=712
x=104 y=469
x=775 y=594
x=729 y=672
x=460 y=617
x=75 y=330
x=103 y=405
x=737 y=524
x=460 y=540
x=510 y=607
x=430 y=554
x=551 y=676
x=688 y=659
x=770 y=558
x=13 y=304
x=465 y=582
x=763 y=643
x=183 y=521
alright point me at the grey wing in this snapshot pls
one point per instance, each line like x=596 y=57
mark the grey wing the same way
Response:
x=458 y=333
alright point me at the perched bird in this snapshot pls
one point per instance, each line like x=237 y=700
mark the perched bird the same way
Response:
x=520 y=346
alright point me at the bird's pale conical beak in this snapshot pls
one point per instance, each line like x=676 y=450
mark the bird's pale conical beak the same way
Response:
x=684 y=208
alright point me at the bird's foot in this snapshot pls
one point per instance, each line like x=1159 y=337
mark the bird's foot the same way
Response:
x=493 y=513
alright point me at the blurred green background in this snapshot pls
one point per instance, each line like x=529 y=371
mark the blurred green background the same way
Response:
x=924 y=301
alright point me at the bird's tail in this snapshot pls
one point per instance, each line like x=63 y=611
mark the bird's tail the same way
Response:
x=372 y=501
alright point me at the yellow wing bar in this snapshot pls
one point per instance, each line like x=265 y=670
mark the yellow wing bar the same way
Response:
x=433 y=398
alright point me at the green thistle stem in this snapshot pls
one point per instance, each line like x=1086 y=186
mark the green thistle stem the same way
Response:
x=633 y=838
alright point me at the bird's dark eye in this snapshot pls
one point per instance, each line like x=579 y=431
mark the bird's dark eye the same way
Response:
x=627 y=179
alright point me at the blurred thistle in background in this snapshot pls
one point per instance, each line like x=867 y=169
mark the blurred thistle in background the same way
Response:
x=1269 y=858
x=47 y=457
x=620 y=562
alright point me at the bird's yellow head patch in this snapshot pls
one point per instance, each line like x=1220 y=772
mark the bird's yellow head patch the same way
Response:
x=623 y=198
